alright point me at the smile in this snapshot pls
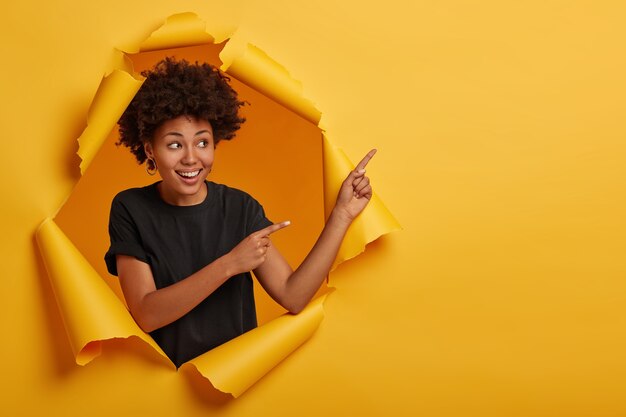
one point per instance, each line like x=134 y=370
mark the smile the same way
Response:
x=189 y=174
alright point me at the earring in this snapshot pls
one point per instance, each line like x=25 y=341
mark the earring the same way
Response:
x=151 y=166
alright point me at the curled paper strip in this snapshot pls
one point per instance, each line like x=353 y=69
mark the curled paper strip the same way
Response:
x=267 y=76
x=236 y=365
x=183 y=29
x=91 y=311
x=375 y=221
x=113 y=96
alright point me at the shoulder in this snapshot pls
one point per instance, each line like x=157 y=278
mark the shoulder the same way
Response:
x=134 y=195
x=134 y=202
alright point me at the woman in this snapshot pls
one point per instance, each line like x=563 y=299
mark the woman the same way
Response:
x=183 y=247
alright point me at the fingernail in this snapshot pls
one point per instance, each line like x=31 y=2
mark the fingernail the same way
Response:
x=360 y=171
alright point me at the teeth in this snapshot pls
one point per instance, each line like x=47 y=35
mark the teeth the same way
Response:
x=189 y=174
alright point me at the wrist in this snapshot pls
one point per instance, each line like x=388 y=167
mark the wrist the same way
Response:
x=340 y=217
x=226 y=266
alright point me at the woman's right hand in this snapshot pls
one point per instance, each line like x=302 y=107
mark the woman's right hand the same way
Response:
x=252 y=250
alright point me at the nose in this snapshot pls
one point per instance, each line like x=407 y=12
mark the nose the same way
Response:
x=189 y=157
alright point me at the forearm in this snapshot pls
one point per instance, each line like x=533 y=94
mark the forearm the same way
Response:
x=154 y=308
x=166 y=305
x=294 y=289
x=304 y=282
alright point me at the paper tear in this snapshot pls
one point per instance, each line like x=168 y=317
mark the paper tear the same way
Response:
x=374 y=221
x=90 y=310
x=179 y=30
x=265 y=75
x=92 y=313
x=114 y=94
x=236 y=365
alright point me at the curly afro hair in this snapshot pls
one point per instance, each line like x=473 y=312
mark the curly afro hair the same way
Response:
x=177 y=88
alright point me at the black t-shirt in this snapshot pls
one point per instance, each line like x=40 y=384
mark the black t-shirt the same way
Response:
x=177 y=241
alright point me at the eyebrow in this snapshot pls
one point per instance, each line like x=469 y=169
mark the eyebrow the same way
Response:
x=181 y=135
x=202 y=131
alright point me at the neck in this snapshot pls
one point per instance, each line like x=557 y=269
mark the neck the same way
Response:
x=176 y=199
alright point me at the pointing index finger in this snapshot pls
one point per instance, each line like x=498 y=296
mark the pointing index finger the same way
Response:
x=273 y=228
x=361 y=165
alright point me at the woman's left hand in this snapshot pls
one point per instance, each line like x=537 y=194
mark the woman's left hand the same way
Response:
x=355 y=191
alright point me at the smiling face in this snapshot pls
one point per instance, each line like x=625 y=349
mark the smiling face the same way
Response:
x=183 y=149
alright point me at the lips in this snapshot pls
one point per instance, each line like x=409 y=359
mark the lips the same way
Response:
x=189 y=174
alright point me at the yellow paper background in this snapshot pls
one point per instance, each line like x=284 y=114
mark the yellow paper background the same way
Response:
x=501 y=146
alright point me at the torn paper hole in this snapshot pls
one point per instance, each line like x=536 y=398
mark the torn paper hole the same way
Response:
x=297 y=153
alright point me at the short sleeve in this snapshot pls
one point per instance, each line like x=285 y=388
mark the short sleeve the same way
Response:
x=124 y=236
x=255 y=216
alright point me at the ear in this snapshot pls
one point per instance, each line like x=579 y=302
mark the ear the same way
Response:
x=147 y=148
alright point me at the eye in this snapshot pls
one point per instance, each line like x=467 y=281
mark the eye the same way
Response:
x=174 y=145
x=203 y=143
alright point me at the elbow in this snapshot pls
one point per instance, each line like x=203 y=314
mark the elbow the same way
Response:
x=146 y=327
x=144 y=314
x=295 y=310
x=295 y=307
x=294 y=302
x=144 y=322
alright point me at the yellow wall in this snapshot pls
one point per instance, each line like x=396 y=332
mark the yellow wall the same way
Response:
x=501 y=137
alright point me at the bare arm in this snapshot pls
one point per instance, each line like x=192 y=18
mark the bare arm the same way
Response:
x=294 y=289
x=152 y=308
